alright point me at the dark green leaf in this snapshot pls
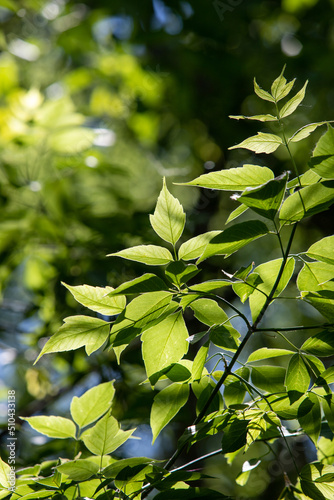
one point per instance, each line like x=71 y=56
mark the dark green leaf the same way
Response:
x=244 y=290
x=310 y=484
x=225 y=336
x=269 y=378
x=320 y=344
x=144 y=284
x=235 y=435
x=297 y=377
x=166 y=405
x=323 y=301
x=309 y=416
x=322 y=161
x=179 y=273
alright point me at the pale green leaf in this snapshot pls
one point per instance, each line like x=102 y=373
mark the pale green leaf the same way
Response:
x=260 y=118
x=309 y=416
x=4 y=474
x=92 y=404
x=208 y=312
x=263 y=94
x=96 y=299
x=308 y=201
x=321 y=344
x=269 y=378
x=297 y=376
x=146 y=283
x=78 y=331
x=266 y=199
x=234 y=179
x=199 y=361
x=323 y=301
x=280 y=88
x=322 y=250
x=52 y=426
x=106 y=436
x=139 y=314
x=305 y=131
x=152 y=255
x=193 y=248
x=260 y=143
x=236 y=213
x=169 y=218
x=78 y=470
x=268 y=273
x=316 y=276
x=165 y=344
x=293 y=103
x=325 y=451
x=322 y=161
x=266 y=353
x=245 y=289
x=35 y=495
x=234 y=238
x=306 y=179
x=166 y=405
x=210 y=286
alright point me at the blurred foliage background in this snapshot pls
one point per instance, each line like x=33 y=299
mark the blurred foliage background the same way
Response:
x=98 y=101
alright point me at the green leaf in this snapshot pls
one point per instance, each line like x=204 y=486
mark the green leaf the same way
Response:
x=234 y=179
x=234 y=436
x=309 y=416
x=139 y=314
x=208 y=312
x=78 y=331
x=260 y=118
x=260 y=143
x=322 y=161
x=199 y=361
x=225 y=336
x=71 y=140
x=181 y=371
x=234 y=391
x=190 y=494
x=280 y=88
x=269 y=378
x=320 y=344
x=152 y=255
x=35 y=494
x=326 y=377
x=284 y=407
x=236 y=213
x=266 y=353
x=263 y=94
x=316 y=276
x=297 y=377
x=106 y=436
x=327 y=404
x=179 y=273
x=305 y=131
x=210 y=286
x=144 y=284
x=193 y=248
x=306 y=179
x=293 y=103
x=166 y=405
x=52 y=426
x=325 y=450
x=266 y=199
x=168 y=219
x=268 y=273
x=307 y=201
x=233 y=238
x=97 y=299
x=78 y=470
x=322 y=250
x=115 y=468
x=244 y=290
x=5 y=471
x=165 y=344
x=92 y=404
x=323 y=301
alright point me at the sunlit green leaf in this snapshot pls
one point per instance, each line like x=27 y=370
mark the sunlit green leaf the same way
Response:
x=225 y=336
x=96 y=299
x=144 y=284
x=234 y=179
x=234 y=391
x=293 y=103
x=268 y=378
x=316 y=276
x=152 y=255
x=106 y=436
x=266 y=353
x=266 y=199
x=78 y=331
x=323 y=301
x=322 y=250
x=326 y=377
x=236 y=213
x=234 y=238
x=199 y=361
x=164 y=344
x=322 y=161
x=308 y=201
x=92 y=404
x=297 y=377
x=208 y=312
x=280 y=88
x=260 y=118
x=179 y=273
x=309 y=416
x=115 y=468
x=268 y=273
x=169 y=218
x=52 y=426
x=193 y=248
x=166 y=405
x=263 y=94
x=313 y=481
x=78 y=470
x=305 y=131
x=260 y=143
x=4 y=474
x=321 y=344
x=245 y=289
x=210 y=286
